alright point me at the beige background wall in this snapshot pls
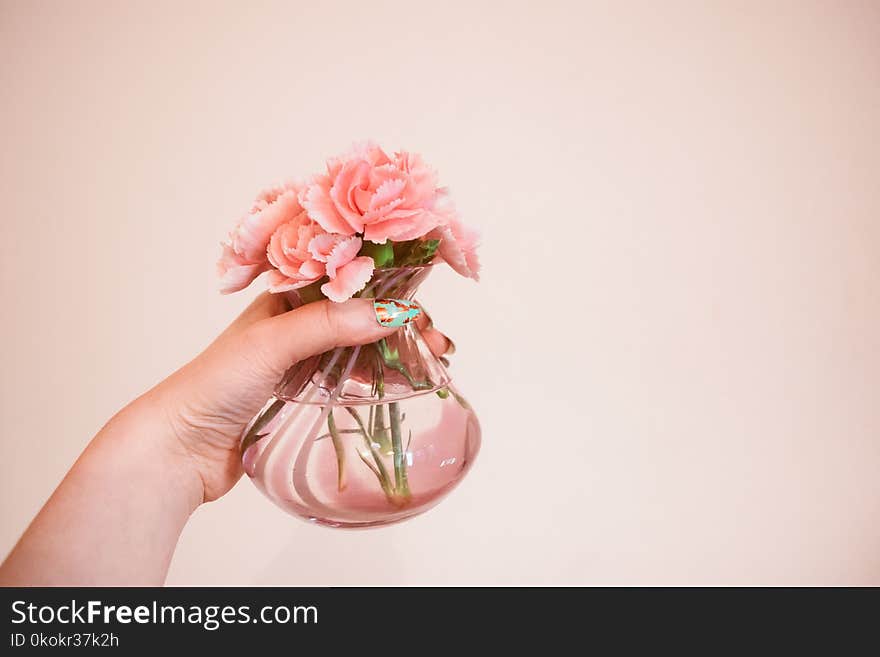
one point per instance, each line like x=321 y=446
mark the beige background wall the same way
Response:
x=675 y=350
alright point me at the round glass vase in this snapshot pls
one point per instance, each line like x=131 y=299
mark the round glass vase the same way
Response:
x=364 y=436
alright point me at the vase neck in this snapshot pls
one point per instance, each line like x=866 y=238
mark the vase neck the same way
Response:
x=397 y=367
x=393 y=283
x=397 y=283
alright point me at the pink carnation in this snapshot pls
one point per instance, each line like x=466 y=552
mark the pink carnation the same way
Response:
x=302 y=253
x=458 y=243
x=289 y=254
x=458 y=247
x=369 y=193
x=235 y=271
x=244 y=253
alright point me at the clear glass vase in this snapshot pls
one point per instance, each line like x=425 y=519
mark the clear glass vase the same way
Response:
x=364 y=436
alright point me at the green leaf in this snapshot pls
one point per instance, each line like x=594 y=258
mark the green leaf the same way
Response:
x=429 y=248
x=419 y=252
x=403 y=251
x=382 y=254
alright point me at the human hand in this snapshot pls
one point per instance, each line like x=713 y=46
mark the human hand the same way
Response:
x=206 y=404
x=116 y=516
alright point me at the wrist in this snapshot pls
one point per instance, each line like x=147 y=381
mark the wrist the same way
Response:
x=144 y=443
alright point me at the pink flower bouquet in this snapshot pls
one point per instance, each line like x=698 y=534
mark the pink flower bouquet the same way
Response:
x=368 y=211
x=359 y=436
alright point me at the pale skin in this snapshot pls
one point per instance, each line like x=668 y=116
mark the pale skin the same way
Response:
x=116 y=517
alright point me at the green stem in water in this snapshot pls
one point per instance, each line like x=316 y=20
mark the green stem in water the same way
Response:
x=341 y=432
x=380 y=379
x=392 y=360
x=378 y=432
x=340 y=451
x=401 y=484
x=253 y=434
x=380 y=470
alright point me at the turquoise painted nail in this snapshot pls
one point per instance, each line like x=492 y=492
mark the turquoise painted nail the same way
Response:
x=394 y=313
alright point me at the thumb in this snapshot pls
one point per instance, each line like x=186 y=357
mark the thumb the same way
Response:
x=317 y=327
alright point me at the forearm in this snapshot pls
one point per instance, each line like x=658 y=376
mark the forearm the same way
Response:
x=116 y=517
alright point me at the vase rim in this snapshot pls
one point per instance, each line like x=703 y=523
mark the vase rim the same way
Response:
x=430 y=265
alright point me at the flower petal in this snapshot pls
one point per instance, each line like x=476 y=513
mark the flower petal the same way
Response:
x=251 y=237
x=235 y=272
x=402 y=225
x=322 y=245
x=387 y=192
x=349 y=279
x=270 y=194
x=343 y=253
x=380 y=213
x=311 y=269
x=317 y=202
x=353 y=176
x=458 y=247
x=278 y=282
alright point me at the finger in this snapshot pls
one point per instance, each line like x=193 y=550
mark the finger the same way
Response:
x=424 y=322
x=437 y=342
x=315 y=328
x=264 y=306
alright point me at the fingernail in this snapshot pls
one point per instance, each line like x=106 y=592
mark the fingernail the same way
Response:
x=394 y=313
